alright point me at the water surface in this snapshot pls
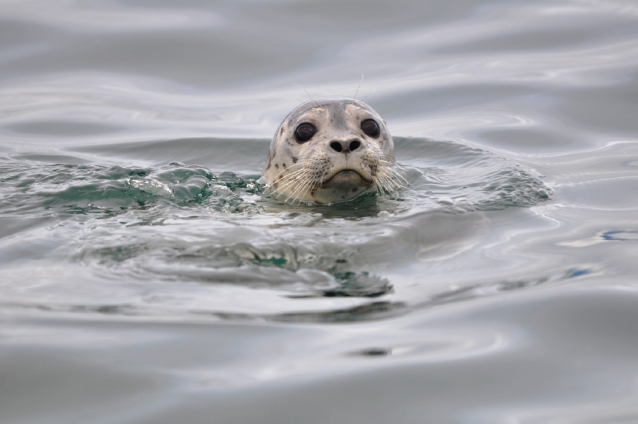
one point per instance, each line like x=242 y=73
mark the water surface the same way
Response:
x=145 y=278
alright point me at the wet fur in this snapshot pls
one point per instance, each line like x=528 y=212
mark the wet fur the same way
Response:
x=304 y=172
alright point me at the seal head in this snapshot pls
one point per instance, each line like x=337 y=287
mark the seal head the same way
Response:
x=330 y=150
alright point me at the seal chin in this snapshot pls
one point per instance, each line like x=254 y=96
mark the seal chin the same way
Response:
x=347 y=177
x=341 y=186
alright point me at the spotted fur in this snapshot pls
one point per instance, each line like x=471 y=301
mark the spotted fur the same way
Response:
x=314 y=172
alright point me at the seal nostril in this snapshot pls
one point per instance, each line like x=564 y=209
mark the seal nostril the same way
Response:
x=336 y=146
x=354 y=145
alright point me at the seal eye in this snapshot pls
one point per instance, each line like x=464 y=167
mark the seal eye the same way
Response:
x=305 y=132
x=370 y=128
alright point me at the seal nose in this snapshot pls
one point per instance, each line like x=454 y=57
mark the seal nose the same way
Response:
x=345 y=146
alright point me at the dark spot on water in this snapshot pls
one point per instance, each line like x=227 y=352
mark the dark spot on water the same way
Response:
x=375 y=351
x=573 y=273
x=620 y=235
x=370 y=311
x=108 y=309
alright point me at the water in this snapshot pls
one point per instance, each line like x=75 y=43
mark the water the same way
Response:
x=144 y=277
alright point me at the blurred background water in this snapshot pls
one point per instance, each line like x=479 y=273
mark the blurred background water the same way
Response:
x=144 y=279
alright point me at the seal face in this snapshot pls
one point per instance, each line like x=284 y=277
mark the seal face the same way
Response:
x=331 y=150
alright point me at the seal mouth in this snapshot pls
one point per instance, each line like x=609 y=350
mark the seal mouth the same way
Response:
x=347 y=175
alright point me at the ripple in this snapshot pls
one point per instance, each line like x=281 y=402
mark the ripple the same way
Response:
x=118 y=18
x=181 y=223
x=620 y=235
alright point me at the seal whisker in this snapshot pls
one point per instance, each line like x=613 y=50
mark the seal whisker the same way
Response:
x=398 y=169
x=291 y=169
x=389 y=179
x=395 y=173
x=369 y=94
x=309 y=186
x=288 y=180
x=304 y=90
x=271 y=187
x=281 y=190
x=392 y=177
x=318 y=151
x=383 y=188
x=377 y=184
x=299 y=187
x=292 y=177
x=358 y=87
x=398 y=176
x=385 y=184
x=296 y=184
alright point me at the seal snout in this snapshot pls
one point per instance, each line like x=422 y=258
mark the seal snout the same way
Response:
x=345 y=146
x=330 y=150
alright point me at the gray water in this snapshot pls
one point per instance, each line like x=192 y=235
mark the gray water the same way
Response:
x=144 y=277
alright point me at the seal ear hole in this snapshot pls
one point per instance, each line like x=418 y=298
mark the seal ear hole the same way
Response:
x=305 y=132
x=370 y=128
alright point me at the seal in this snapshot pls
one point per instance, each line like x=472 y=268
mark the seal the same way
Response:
x=331 y=150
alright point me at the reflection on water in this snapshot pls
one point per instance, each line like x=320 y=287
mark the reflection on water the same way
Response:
x=145 y=277
x=182 y=223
